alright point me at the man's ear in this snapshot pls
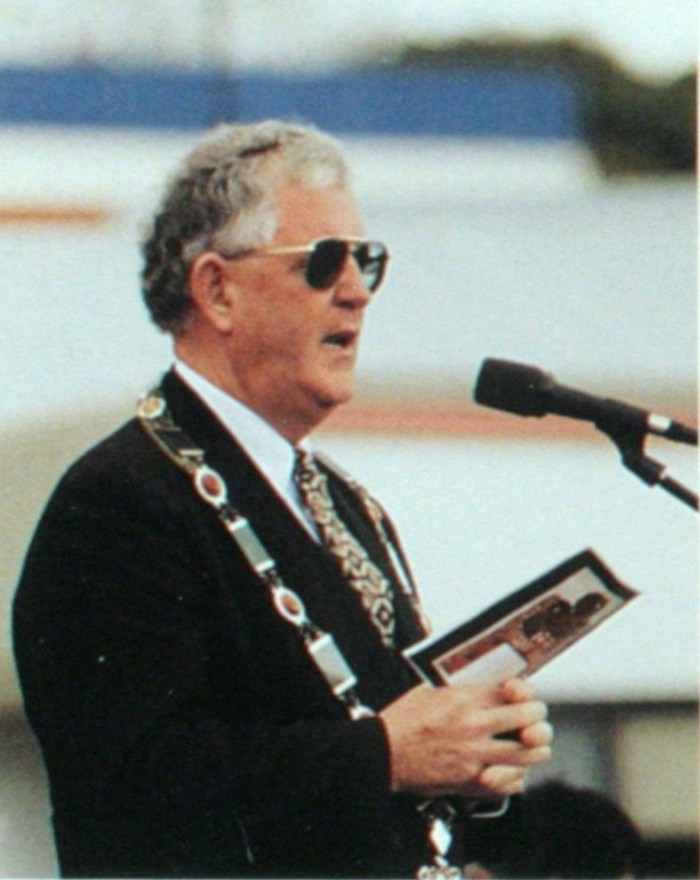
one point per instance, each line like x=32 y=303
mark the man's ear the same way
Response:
x=213 y=290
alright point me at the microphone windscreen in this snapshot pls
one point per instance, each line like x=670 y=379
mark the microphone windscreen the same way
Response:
x=515 y=388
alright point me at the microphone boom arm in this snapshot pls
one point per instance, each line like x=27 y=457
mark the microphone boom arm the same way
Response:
x=650 y=471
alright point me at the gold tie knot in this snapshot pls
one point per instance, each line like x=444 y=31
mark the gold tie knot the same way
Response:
x=306 y=472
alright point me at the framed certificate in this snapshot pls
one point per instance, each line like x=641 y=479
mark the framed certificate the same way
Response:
x=522 y=632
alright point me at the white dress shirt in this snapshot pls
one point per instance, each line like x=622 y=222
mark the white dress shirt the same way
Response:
x=272 y=453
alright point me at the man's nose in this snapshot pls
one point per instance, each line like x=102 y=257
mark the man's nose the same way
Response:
x=351 y=289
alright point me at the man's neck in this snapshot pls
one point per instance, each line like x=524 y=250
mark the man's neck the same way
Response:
x=293 y=427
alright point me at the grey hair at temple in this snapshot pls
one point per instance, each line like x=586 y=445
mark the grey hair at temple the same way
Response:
x=222 y=198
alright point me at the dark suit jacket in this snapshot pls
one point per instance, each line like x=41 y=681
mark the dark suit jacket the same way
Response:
x=184 y=728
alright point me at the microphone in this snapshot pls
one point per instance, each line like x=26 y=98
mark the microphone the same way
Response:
x=529 y=391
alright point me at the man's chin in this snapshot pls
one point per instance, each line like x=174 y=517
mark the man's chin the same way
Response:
x=324 y=407
x=328 y=396
x=328 y=402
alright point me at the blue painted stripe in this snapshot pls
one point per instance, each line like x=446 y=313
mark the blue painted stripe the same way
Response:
x=495 y=103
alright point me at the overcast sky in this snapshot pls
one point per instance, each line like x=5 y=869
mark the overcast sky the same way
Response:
x=657 y=37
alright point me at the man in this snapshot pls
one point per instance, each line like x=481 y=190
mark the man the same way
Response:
x=174 y=619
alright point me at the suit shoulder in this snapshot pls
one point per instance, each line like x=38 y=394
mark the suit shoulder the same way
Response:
x=126 y=448
x=126 y=462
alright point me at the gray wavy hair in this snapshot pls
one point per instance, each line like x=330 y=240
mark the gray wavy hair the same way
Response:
x=222 y=198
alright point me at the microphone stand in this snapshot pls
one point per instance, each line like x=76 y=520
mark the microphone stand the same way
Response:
x=631 y=446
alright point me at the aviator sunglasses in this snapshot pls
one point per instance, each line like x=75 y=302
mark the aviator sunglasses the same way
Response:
x=327 y=258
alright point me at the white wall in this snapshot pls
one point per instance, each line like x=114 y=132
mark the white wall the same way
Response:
x=495 y=252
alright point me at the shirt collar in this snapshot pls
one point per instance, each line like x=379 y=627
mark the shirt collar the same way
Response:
x=271 y=452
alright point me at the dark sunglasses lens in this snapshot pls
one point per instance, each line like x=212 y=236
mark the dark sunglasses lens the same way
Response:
x=371 y=258
x=326 y=263
x=328 y=258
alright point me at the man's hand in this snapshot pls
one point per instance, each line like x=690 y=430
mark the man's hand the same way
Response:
x=445 y=740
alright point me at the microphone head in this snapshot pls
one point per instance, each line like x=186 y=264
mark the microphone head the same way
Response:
x=515 y=388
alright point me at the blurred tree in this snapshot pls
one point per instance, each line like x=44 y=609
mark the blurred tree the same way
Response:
x=633 y=126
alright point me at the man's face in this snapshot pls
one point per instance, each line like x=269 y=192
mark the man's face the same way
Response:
x=292 y=350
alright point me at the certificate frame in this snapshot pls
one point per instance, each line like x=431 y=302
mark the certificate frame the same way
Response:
x=522 y=632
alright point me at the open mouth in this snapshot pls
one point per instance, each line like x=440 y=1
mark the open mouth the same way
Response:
x=340 y=340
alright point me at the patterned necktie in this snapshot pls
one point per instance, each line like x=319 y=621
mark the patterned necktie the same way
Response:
x=359 y=570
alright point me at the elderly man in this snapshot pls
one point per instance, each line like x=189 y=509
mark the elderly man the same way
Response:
x=209 y=623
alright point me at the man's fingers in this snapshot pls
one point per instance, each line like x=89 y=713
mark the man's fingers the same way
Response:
x=517 y=690
x=516 y=755
x=503 y=780
x=535 y=735
x=515 y=716
x=479 y=695
x=531 y=746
